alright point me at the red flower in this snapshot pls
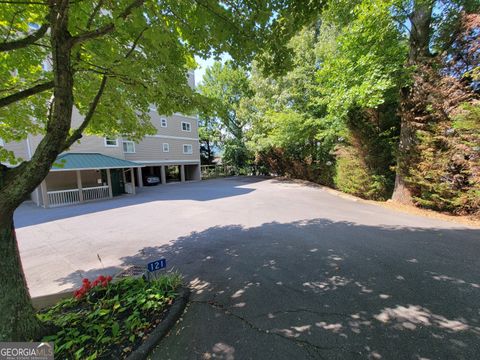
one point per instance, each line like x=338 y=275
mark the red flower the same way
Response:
x=87 y=285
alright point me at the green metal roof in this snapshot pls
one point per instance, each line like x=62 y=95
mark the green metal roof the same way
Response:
x=90 y=161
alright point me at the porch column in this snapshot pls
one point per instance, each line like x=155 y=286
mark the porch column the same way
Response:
x=43 y=188
x=124 y=177
x=163 y=176
x=182 y=173
x=132 y=175
x=79 y=185
x=198 y=172
x=109 y=180
x=37 y=196
x=139 y=177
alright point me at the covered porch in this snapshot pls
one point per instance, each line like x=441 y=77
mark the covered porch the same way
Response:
x=80 y=177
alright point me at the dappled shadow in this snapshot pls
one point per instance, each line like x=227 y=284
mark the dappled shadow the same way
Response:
x=29 y=214
x=324 y=289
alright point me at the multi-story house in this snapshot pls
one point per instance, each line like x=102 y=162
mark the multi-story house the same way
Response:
x=98 y=168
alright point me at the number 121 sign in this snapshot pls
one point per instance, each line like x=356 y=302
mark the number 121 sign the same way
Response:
x=157 y=265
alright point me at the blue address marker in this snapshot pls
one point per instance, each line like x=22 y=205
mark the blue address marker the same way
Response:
x=157 y=265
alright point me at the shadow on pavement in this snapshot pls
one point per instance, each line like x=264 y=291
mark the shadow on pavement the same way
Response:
x=29 y=214
x=322 y=289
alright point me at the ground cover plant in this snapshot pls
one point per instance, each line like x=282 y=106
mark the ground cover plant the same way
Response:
x=106 y=319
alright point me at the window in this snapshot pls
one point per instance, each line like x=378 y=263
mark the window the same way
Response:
x=128 y=147
x=187 y=149
x=186 y=126
x=111 y=142
x=166 y=147
x=163 y=122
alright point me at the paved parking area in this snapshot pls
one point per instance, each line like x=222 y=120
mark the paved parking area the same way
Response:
x=279 y=270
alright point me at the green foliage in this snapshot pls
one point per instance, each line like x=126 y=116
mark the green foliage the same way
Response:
x=468 y=118
x=352 y=59
x=235 y=153
x=210 y=136
x=108 y=321
x=227 y=88
x=146 y=57
x=447 y=175
x=354 y=177
x=365 y=68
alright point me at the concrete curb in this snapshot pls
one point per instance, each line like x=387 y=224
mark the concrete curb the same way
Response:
x=44 y=301
x=154 y=338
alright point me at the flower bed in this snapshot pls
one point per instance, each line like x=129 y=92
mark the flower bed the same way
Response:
x=107 y=319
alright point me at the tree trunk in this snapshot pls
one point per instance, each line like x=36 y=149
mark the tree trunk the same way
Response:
x=209 y=153
x=419 y=53
x=18 y=320
x=17 y=316
x=401 y=191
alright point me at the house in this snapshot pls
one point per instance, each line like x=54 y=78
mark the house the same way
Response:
x=98 y=168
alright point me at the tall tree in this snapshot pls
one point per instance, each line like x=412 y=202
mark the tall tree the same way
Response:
x=227 y=85
x=210 y=136
x=419 y=54
x=428 y=100
x=381 y=66
x=98 y=56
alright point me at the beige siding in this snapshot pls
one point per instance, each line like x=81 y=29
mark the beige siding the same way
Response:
x=91 y=178
x=64 y=180
x=88 y=144
x=76 y=118
x=174 y=125
x=191 y=79
x=94 y=144
x=151 y=149
x=20 y=149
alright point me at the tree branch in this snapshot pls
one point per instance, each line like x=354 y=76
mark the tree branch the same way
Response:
x=7 y=100
x=77 y=134
x=28 y=40
x=88 y=35
x=135 y=42
x=94 y=13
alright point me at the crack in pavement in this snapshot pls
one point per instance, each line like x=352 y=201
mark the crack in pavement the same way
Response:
x=298 y=342
x=299 y=310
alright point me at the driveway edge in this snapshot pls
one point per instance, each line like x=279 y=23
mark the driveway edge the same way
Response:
x=154 y=338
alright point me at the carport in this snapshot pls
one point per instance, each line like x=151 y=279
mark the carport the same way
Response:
x=169 y=172
x=80 y=177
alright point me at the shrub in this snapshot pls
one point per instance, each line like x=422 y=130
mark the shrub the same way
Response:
x=353 y=177
x=446 y=175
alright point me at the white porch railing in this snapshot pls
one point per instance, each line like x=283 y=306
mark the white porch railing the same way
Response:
x=95 y=193
x=72 y=196
x=63 y=197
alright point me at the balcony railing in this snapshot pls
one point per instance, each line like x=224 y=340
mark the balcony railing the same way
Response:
x=72 y=196
x=63 y=197
x=95 y=193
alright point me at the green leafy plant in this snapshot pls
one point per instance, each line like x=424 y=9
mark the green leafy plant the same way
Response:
x=108 y=320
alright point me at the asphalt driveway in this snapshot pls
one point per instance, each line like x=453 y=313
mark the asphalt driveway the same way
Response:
x=278 y=270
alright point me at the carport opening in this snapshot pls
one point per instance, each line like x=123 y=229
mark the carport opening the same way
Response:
x=192 y=172
x=172 y=173
x=152 y=170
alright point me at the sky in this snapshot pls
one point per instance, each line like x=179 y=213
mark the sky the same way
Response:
x=203 y=65
x=200 y=71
